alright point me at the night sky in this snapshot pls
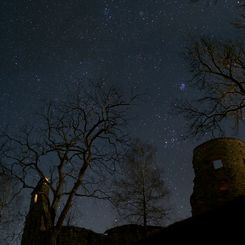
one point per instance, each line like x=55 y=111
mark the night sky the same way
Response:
x=49 y=45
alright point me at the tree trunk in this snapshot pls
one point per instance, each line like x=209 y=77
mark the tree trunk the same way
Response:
x=145 y=218
x=144 y=208
x=52 y=237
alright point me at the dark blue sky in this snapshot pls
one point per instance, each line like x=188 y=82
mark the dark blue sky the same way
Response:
x=49 y=45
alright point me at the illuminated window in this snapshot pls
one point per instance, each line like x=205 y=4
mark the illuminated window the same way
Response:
x=217 y=164
x=35 y=198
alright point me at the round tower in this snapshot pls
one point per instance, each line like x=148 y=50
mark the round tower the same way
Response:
x=219 y=166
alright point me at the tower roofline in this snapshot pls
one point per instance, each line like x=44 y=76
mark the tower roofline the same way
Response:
x=219 y=139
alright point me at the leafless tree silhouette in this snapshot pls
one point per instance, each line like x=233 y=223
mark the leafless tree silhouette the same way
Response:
x=139 y=191
x=218 y=70
x=73 y=138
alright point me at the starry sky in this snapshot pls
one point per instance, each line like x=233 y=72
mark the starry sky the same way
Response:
x=49 y=45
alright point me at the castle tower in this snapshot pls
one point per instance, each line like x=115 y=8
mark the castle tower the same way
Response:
x=38 y=220
x=219 y=166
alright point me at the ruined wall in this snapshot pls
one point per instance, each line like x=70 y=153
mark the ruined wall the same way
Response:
x=38 y=220
x=121 y=235
x=129 y=234
x=71 y=235
x=219 y=167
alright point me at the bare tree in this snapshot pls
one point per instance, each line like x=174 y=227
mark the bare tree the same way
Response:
x=73 y=138
x=218 y=70
x=139 y=191
x=4 y=192
x=10 y=217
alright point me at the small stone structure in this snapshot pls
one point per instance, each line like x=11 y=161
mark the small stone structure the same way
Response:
x=219 y=166
x=38 y=220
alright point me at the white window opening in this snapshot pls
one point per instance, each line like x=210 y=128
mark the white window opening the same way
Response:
x=218 y=164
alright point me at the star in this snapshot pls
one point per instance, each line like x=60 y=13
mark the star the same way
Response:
x=182 y=86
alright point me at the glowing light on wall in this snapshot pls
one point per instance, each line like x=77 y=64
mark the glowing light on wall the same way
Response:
x=35 y=198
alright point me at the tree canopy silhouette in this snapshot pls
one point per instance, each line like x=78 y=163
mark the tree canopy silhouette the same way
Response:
x=73 y=137
x=139 y=190
x=218 y=71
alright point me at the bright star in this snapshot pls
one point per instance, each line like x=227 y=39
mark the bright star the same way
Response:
x=182 y=86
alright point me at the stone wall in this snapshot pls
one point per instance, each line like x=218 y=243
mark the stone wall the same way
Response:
x=121 y=235
x=129 y=234
x=215 y=185
x=38 y=219
x=71 y=235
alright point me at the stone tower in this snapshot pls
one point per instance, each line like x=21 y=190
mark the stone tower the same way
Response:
x=219 y=166
x=39 y=219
